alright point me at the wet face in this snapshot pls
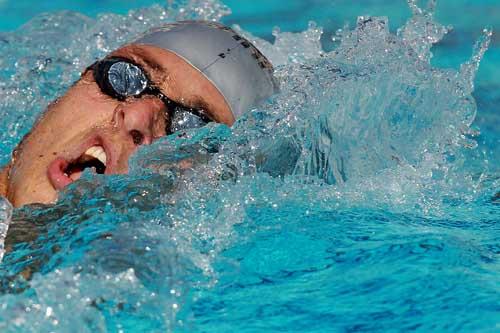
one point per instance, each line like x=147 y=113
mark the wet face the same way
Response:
x=87 y=128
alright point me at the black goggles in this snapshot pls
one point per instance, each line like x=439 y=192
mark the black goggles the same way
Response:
x=119 y=78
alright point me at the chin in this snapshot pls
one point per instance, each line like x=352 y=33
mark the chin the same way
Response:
x=41 y=196
x=30 y=185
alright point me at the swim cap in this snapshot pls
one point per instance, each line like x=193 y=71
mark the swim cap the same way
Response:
x=236 y=67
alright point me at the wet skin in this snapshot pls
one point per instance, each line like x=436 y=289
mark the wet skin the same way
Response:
x=85 y=117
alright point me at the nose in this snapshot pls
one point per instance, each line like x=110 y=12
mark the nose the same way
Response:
x=138 y=119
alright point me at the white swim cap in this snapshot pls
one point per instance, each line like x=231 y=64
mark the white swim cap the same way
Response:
x=236 y=67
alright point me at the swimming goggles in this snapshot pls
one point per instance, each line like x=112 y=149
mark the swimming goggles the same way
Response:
x=119 y=78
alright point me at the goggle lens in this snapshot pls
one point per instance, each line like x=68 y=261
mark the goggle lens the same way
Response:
x=127 y=79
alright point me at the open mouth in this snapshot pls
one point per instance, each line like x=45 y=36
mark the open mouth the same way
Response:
x=94 y=157
x=61 y=172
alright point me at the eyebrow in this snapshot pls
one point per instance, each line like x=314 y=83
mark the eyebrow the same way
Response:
x=154 y=65
x=150 y=63
x=199 y=103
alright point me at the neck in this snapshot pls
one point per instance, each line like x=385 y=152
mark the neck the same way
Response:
x=4 y=180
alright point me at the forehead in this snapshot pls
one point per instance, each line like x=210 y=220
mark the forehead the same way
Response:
x=178 y=80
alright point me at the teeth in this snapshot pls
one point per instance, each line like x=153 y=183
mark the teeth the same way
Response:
x=97 y=152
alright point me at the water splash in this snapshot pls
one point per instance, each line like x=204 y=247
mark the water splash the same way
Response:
x=400 y=124
x=421 y=32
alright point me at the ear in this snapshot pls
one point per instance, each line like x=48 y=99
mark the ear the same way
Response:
x=4 y=180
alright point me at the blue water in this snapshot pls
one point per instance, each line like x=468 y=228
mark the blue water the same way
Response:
x=362 y=198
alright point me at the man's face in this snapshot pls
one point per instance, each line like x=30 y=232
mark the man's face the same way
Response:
x=87 y=128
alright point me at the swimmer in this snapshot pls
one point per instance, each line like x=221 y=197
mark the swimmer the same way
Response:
x=176 y=77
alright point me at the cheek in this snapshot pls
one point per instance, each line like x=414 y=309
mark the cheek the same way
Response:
x=160 y=124
x=27 y=169
x=72 y=117
x=89 y=114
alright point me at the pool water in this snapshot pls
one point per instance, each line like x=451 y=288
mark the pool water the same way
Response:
x=362 y=198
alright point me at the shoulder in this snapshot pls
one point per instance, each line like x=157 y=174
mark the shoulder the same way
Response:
x=4 y=178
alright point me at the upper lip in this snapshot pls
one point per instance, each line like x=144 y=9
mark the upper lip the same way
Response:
x=56 y=170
